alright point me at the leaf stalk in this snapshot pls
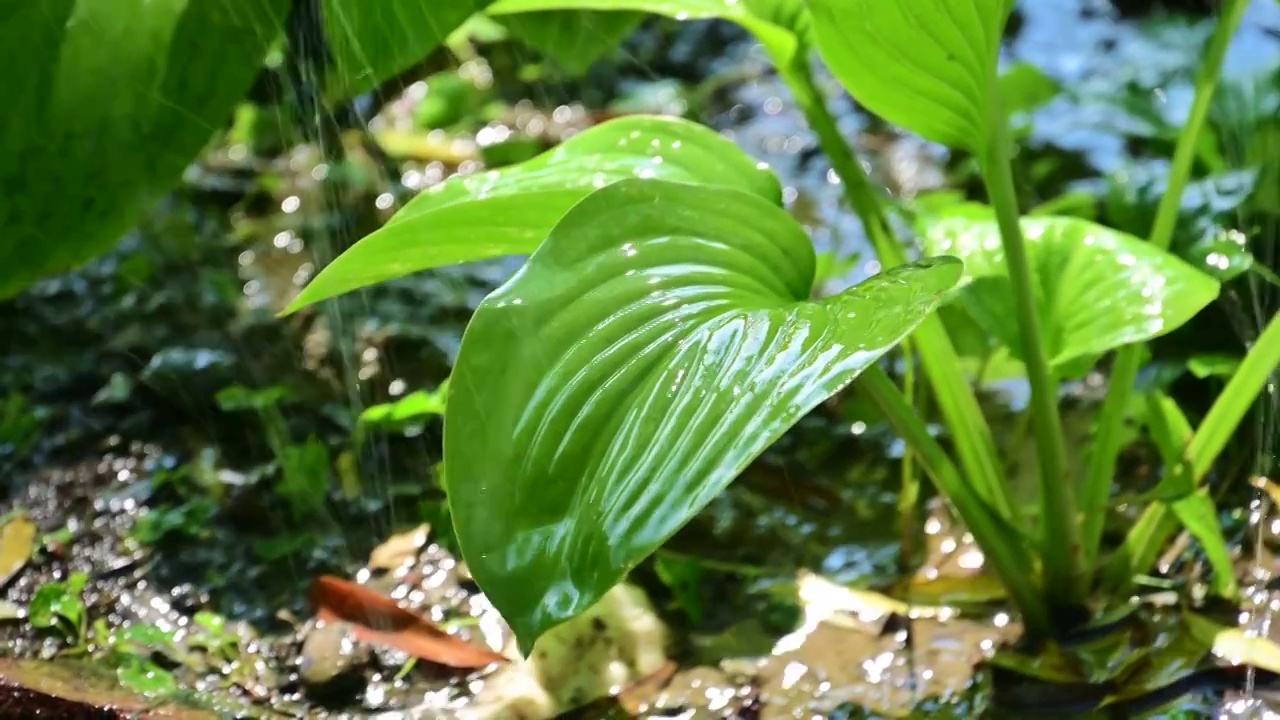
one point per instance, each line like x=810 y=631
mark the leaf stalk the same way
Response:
x=951 y=389
x=1060 y=551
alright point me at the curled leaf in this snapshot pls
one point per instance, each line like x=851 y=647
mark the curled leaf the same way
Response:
x=656 y=343
x=379 y=620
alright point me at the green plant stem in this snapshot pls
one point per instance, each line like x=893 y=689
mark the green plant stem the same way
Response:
x=1153 y=529
x=938 y=357
x=909 y=492
x=1001 y=547
x=1124 y=373
x=858 y=189
x=1060 y=541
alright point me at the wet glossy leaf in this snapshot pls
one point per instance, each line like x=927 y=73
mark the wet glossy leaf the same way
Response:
x=574 y=39
x=146 y=678
x=657 y=341
x=17 y=540
x=510 y=211
x=1225 y=255
x=123 y=91
x=380 y=620
x=59 y=601
x=783 y=27
x=1097 y=288
x=370 y=42
x=1234 y=644
x=927 y=65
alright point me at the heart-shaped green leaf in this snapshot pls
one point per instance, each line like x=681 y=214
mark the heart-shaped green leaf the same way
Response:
x=509 y=211
x=1097 y=288
x=926 y=65
x=783 y=27
x=652 y=346
x=372 y=40
x=107 y=103
x=574 y=39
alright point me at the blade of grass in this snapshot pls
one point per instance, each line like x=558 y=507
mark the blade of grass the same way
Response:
x=1001 y=547
x=1124 y=374
x=1152 y=531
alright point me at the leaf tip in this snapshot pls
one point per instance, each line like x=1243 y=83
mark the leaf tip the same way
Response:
x=297 y=304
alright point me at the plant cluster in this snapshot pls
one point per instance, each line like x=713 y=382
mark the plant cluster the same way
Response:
x=139 y=652
x=662 y=332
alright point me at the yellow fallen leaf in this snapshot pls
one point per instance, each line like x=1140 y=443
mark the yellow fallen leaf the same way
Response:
x=399 y=549
x=1238 y=648
x=17 y=538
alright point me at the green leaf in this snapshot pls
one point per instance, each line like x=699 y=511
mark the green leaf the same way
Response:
x=783 y=27
x=114 y=99
x=659 y=340
x=683 y=577
x=145 y=638
x=146 y=678
x=573 y=39
x=927 y=65
x=1097 y=288
x=415 y=406
x=1226 y=255
x=57 y=601
x=1213 y=365
x=1199 y=516
x=1172 y=432
x=1025 y=88
x=373 y=40
x=510 y=211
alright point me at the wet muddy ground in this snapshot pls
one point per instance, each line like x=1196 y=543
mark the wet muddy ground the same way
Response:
x=191 y=479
